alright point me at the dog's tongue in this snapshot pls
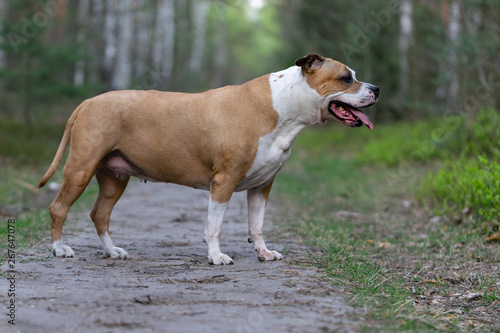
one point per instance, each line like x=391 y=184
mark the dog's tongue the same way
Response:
x=363 y=117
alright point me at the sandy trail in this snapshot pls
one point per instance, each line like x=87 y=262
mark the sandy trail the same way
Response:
x=168 y=285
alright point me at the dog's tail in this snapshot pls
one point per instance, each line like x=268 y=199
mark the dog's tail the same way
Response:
x=62 y=147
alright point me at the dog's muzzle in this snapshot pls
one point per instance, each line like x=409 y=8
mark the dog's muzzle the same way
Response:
x=349 y=115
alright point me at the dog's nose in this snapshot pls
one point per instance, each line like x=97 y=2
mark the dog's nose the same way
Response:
x=375 y=90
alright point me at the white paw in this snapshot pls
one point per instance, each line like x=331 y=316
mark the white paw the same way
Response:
x=266 y=255
x=110 y=249
x=61 y=250
x=220 y=259
x=116 y=253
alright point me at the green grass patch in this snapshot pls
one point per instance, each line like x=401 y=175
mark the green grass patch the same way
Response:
x=20 y=146
x=402 y=142
x=446 y=138
x=410 y=270
x=24 y=159
x=465 y=187
x=20 y=200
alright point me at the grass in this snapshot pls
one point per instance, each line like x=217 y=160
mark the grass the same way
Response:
x=468 y=188
x=411 y=269
x=23 y=147
x=352 y=195
x=24 y=158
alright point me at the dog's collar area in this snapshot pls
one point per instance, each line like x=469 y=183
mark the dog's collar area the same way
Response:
x=349 y=115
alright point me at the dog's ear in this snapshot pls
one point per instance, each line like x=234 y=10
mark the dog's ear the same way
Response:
x=310 y=61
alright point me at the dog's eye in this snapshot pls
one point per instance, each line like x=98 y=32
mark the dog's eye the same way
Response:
x=347 y=78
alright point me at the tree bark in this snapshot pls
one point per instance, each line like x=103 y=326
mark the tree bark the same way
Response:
x=95 y=41
x=3 y=16
x=200 y=10
x=454 y=31
x=405 y=37
x=83 y=13
x=121 y=77
x=218 y=76
x=109 y=42
x=143 y=29
x=163 y=47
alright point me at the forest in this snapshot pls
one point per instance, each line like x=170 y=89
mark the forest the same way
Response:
x=428 y=57
x=404 y=220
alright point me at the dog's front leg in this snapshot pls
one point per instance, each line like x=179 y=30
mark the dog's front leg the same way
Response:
x=216 y=212
x=257 y=200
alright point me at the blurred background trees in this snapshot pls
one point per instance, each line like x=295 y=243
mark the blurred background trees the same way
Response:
x=430 y=57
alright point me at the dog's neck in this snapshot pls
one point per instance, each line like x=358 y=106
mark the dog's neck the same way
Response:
x=297 y=104
x=295 y=101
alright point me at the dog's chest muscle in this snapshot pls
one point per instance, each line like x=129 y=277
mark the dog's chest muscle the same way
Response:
x=272 y=153
x=274 y=148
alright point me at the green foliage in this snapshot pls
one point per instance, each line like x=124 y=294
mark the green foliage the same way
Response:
x=402 y=142
x=22 y=146
x=382 y=252
x=436 y=139
x=473 y=184
x=38 y=65
x=482 y=135
x=24 y=158
x=468 y=147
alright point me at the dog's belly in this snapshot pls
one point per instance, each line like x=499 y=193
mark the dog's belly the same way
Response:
x=124 y=168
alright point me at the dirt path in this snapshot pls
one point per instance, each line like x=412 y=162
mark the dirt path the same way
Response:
x=168 y=285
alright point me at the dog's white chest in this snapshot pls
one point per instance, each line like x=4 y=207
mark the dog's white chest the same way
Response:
x=270 y=158
x=291 y=99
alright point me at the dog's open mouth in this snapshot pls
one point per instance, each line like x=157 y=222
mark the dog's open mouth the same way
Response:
x=349 y=115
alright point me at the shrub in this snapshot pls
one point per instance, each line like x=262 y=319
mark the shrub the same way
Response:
x=435 y=139
x=402 y=142
x=472 y=184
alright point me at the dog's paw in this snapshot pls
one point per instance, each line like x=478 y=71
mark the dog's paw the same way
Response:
x=220 y=259
x=267 y=255
x=116 y=253
x=61 y=250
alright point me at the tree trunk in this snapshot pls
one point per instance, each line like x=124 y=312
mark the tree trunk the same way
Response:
x=109 y=42
x=200 y=10
x=218 y=76
x=121 y=77
x=143 y=29
x=454 y=31
x=83 y=13
x=3 y=16
x=163 y=47
x=95 y=41
x=405 y=37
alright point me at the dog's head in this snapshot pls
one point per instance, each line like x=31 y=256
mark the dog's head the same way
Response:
x=341 y=93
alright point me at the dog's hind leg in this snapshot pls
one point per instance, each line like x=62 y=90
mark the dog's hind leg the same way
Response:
x=75 y=179
x=111 y=187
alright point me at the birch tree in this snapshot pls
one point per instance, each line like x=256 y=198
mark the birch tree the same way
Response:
x=454 y=31
x=83 y=13
x=221 y=53
x=121 y=76
x=3 y=16
x=95 y=41
x=405 y=37
x=163 y=45
x=448 y=91
x=143 y=29
x=200 y=9
x=109 y=42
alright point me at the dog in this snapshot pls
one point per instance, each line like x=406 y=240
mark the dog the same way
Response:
x=233 y=138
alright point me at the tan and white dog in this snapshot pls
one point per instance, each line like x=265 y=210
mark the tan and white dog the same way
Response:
x=229 y=139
